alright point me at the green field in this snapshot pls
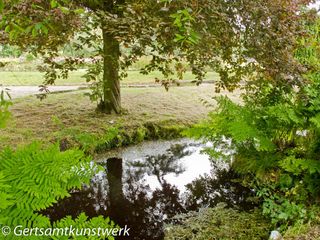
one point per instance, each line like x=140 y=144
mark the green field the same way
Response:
x=25 y=78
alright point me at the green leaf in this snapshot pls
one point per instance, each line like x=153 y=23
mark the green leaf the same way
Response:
x=64 y=10
x=1 y=5
x=7 y=29
x=34 y=32
x=53 y=3
x=79 y=11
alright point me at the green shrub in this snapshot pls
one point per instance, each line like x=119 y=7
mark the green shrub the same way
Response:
x=275 y=138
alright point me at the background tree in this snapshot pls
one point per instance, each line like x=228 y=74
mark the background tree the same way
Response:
x=241 y=40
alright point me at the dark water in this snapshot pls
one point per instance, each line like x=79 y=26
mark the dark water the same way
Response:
x=145 y=186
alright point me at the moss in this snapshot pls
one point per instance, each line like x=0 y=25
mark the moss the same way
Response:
x=219 y=223
x=140 y=134
x=137 y=134
x=172 y=131
x=118 y=136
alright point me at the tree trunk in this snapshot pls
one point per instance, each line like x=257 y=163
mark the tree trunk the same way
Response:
x=111 y=100
x=114 y=174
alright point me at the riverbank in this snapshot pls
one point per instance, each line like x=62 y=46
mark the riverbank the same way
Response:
x=71 y=116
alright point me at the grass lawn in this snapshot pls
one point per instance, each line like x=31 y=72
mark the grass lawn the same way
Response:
x=64 y=113
x=32 y=78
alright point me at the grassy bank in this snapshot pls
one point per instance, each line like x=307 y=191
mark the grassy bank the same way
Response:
x=34 y=78
x=219 y=223
x=73 y=117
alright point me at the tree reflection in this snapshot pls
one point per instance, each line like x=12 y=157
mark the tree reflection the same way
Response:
x=122 y=194
x=224 y=186
x=162 y=164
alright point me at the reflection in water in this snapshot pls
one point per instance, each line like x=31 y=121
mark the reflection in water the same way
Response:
x=209 y=191
x=145 y=190
x=160 y=165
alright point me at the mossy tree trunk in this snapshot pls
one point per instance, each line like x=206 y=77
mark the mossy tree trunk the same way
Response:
x=111 y=101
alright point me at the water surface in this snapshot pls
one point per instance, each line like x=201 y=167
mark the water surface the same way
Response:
x=144 y=186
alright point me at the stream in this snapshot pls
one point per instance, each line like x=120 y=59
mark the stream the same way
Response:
x=146 y=185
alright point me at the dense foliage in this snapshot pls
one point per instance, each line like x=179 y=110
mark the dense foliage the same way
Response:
x=274 y=138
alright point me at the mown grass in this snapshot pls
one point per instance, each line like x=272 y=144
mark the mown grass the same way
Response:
x=61 y=115
x=34 y=78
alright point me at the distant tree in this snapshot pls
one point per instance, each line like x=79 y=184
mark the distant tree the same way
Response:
x=242 y=40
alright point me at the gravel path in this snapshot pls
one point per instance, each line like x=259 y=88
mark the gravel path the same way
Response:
x=22 y=91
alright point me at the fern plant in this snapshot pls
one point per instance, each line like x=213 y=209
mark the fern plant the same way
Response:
x=33 y=178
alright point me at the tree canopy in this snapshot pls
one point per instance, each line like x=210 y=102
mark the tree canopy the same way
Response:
x=241 y=40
